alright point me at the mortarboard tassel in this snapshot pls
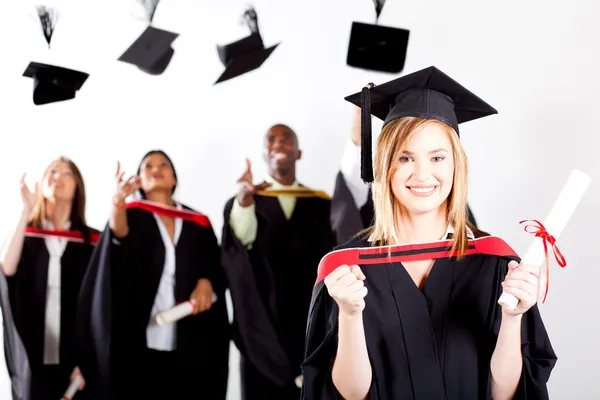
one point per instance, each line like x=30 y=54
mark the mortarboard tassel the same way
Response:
x=378 y=7
x=366 y=171
x=251 y=20
x=48 y=18
x=150 y=8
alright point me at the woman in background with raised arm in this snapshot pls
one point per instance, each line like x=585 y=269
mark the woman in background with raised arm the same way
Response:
x=44 y=261
x=154 y=254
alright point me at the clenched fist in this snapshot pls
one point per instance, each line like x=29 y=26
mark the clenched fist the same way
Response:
x=346 y=285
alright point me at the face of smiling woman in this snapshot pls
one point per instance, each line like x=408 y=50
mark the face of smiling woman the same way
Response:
x=424 y=171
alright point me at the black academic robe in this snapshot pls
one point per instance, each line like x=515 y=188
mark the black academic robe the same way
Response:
x=15 y=354
x=434 y=343
x=117 y=300
x=270 y=283
x=24 y=327
x=347 y=220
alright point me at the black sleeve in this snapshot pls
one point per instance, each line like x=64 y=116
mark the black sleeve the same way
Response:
x=210 y=254
x=254 y=332
x=321 y=349
x=99 y=314
x=346 y=218
x=15 y=354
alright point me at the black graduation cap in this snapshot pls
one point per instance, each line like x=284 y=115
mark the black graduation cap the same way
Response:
x=376 y=47
x=52 y=83
x=152 y=51
x=428 y=93
x=246 y=54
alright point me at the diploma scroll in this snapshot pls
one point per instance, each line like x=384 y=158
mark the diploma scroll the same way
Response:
x=73 y=388
x=564 y=206
x=178 y=312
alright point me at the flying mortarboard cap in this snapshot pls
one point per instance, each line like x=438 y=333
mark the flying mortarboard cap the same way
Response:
x=53 y=84
x=376 y=47
x=152 y=51
x=246 y=54
x=428 y=93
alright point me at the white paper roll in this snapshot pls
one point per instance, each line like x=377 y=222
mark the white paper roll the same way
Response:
x=73 y=388
x=178 y=312
x=562 y=210
x=174 y=314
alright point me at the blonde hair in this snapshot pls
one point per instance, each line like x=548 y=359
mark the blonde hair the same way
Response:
x=393 y=139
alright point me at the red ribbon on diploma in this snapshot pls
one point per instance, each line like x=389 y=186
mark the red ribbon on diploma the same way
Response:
x=541 y=232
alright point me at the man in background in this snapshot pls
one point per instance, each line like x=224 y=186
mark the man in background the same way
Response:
x=274 y=236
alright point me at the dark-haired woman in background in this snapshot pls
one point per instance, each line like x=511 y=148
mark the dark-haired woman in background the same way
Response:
x=158 y=253
x=44 y=261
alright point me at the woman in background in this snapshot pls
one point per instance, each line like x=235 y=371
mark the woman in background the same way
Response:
x=44 y=261
x=156 y=253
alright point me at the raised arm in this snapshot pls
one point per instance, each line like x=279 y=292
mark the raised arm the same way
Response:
x=242 y=219
x=11 y=251
x=350 y=167
x=118 y=217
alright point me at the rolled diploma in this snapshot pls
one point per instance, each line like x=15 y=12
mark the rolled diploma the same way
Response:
x=555 y=222
x=73 y=387
x=178 y=312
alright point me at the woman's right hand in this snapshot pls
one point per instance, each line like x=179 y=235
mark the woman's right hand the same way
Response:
x=346 y=285
x=26 y=195
x=125 y=187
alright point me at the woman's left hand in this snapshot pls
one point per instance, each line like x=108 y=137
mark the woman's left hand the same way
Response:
x=202 y=296
x=523 y=282
x=77 y=372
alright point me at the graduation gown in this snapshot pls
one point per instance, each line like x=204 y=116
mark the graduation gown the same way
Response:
x=434 y=343
x=23 y=301
x=15 y=353
x=270 y=284
x=347 y=219
x=118 y=297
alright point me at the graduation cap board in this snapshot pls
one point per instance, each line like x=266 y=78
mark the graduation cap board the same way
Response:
x=428 y=93
x=376 y=47
x=246 y=54
x=52 y=83
x=151 y=52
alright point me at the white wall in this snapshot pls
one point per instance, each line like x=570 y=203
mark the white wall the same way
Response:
x=534 y=61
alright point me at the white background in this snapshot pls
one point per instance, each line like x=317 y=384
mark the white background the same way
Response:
x=535 y=61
